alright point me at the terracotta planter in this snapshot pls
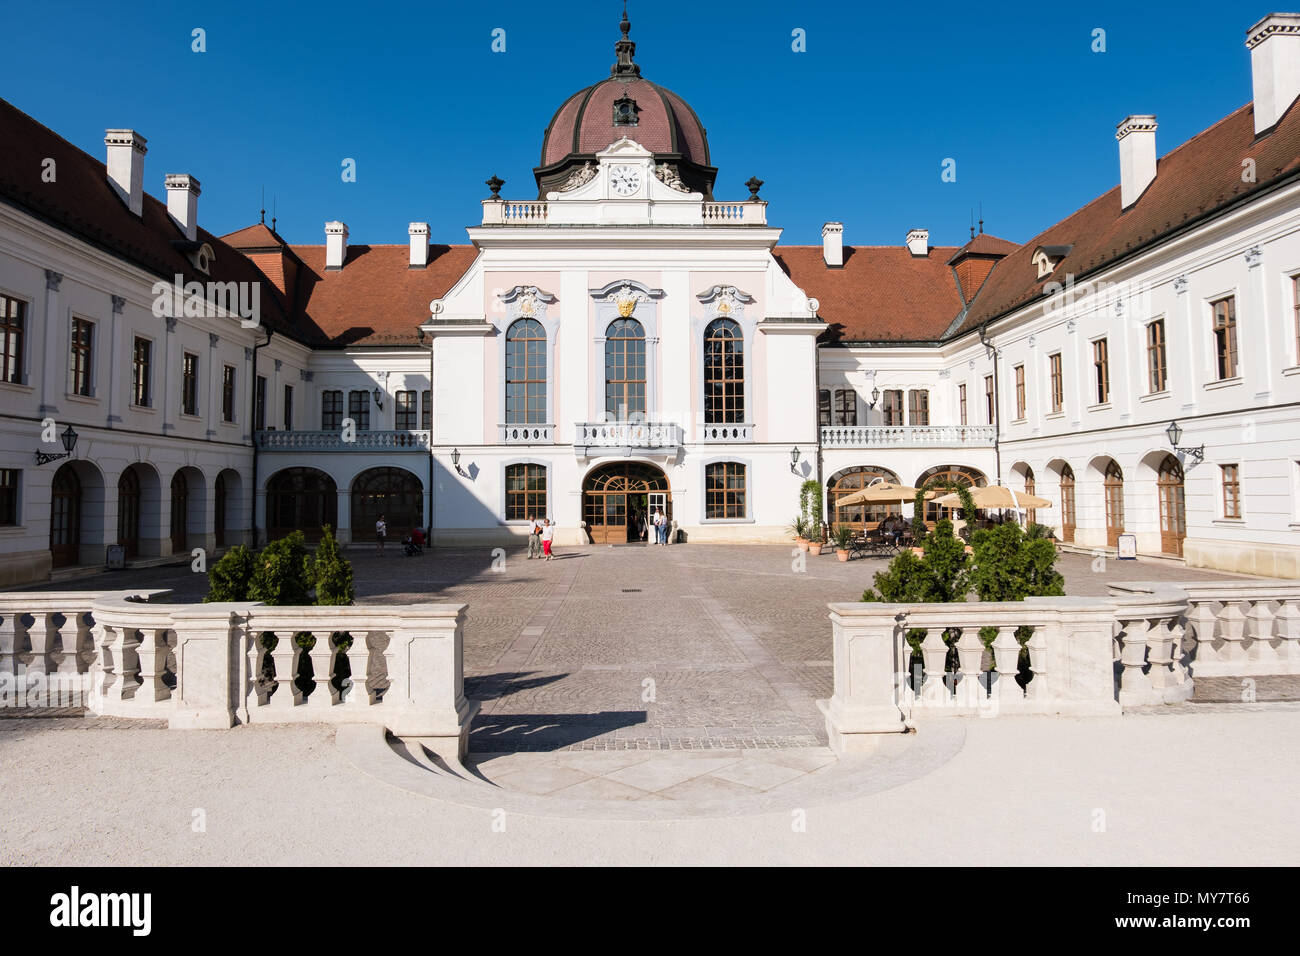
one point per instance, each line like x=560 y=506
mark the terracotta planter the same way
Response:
x=801 y=543
x=842 y=555
x=814 y=549
x=919 y=552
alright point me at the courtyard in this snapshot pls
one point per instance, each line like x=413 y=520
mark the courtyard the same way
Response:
x=694 y=647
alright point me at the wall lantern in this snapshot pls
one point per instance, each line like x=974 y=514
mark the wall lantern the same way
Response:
x=794 y=460
x=69 y=438
x=875 y=397
x=455 y=462
x=1175 y=433
x=378 y=394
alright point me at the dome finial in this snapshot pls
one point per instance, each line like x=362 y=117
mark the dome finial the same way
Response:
x=625 y=49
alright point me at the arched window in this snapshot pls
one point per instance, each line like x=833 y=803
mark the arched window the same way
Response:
x=301 y=499
x=180 y=512
x=1067 y=503
x=953 y=474
x=1031 y=514
x=394 y=493
x=128 y=512
x=624 y=370
x=1173 y=506
x=65 y=517
x=724 y=373
x=526 y=373
x=862 y=516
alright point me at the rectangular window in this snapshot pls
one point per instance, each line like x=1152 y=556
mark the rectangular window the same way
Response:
x=724 y=490
x=824 y=406
x=1020 y=392
x=259 y=414
x=426 y=410
x=189 y=384
x=1101 y=367
x=846 y=407
x=990 y=408
x=1295 y=305
x=406 y=411
x=892 y=406
x=525 y=492
x=141 y=373
x=1231 y=491
x=961 y=401
x=228 y=393
x=13 y=325
x=288 y=408
x=331 y=411
x=1156 y=367
x=83 y=356
x=359 y=410
x=1057 y=378
x=8 y=496
x=918 y=406
x=1225 y=336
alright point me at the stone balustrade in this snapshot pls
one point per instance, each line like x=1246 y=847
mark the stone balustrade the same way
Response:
x=747 y=213
x=892 y=436
x=726 y=434
x=514 y=212
x=599 y=437
x=333 y=441
x=526 y=434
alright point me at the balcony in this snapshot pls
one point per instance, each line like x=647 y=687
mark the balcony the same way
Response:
x=908 y=436
x=526 y=434
x=726 y=434
x=597 y=439
x=333 y=441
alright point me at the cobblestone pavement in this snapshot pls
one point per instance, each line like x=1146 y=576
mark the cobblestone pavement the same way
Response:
x=696 y=647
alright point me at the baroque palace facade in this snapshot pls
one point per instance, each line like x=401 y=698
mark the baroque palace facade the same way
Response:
x=626 y=341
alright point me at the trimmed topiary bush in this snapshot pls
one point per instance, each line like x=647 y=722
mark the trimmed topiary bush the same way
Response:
x=229 y=578
x=282 y=574
x=331 y=572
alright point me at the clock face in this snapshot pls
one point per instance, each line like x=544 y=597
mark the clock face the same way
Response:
x=625 y=180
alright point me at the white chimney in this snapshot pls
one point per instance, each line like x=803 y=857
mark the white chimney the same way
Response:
x=126 y=149
x=336 y=244
x=183 y=202
x=918 y=242
x=833 y=244
x=1274 y=45
x=419 y=232
x=1137 y=157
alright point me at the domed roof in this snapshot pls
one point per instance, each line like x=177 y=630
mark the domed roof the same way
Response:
x=625 y=105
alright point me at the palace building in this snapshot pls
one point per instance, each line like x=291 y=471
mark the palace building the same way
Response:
x=628 y=340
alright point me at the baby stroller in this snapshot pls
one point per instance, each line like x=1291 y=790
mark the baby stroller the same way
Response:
x=413 y=544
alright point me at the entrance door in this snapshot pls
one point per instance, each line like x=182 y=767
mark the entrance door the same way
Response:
x=1067 y=503
x=615 y=498
x=180 y=512
x=219 y=514
x=65 y=518
x=128 y=513
x=656 y=501
x=1173 y=511
x=1113 y=486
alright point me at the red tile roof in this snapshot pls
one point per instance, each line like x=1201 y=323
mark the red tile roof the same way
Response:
x=376 y=298
x=883 y=293
x=1199 y=179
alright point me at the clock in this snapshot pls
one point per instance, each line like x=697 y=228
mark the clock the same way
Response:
x=625 y=180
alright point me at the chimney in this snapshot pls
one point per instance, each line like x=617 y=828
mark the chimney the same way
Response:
x=918 y=242
x=419 y=232
x=336 y=245
x=126 y=149
x=1137 y=157
x=183 y=202
x=1274 y=45
x=833 y=244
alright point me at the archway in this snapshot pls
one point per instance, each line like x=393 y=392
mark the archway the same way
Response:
x=961 y=475
x=1066 y=478
x=1025 y=474
x=180 y=521
x=616 y=499
x=227 y=501
x=392 y=492
x=66 y=506
x=1173 y=507
x=300 y=499
x=850 y=480
x=1113 y=493
x=128 y=513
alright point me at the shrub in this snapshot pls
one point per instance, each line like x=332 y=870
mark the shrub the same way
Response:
x=331 y=573
x=941 y=574
x=230 y=577
x=843 y=537
x=282 y=574
x=1012 y=564
x=810 y=507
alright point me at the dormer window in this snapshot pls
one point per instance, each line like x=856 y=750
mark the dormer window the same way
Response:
x=203 y=257
x=625 y=111
x=1047 y=258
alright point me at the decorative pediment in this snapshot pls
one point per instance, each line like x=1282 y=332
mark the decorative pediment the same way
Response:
x=725 y=301
x=625 y=295
x=526 y=302
x=625 y=149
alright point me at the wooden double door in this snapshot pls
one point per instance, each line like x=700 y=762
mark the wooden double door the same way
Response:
x=619 y=502
x=1173 y=506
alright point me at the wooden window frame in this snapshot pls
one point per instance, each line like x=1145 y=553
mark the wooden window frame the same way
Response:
x=1101 y=369
x=405 y=417
x=228 y=394
x=142 y=372
x=288 y=408
x=83 y=357
x=623 y=354
x=1020 y=392
x=724 y=499
x=331 y=410
x=359 y=409
x=961 y=401
x=426 y=410
x=724 y=374
x=527 y=363
x=13 y=339
x=259 y=403
x=1056 y=376
x=190 y=384
x=527 y=501
x=1230 y=479
x=10 y=482
x=892 y=409
x=823 y=406
x=990 y=402
x=1157 y=357
x=1227 y=360
x=844 y=407
x=918 y=406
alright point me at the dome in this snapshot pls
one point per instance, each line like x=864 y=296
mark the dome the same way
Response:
x=625 y=104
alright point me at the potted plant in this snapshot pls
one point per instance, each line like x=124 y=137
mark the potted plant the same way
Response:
x=798 y=528
x=843 y=538
x=814 y=540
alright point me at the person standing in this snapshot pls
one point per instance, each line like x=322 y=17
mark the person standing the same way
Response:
x=660 y=527
x=381 y=532
x=548 y=535
x=534 y=538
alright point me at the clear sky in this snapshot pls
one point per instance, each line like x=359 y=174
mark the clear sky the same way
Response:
x=854 y=129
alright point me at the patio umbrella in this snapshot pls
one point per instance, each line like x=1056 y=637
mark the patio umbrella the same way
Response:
x=882 y=492
x=995 y=496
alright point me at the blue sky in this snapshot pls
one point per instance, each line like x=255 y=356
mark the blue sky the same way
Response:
x=855 y=129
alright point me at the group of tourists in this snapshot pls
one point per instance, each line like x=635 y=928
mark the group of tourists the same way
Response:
x=541 y=536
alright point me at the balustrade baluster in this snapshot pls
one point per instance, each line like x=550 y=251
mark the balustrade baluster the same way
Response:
x=1286 y=624
x=13 y=634
x=1232 y=628
x=1259 y=635
x=152 y=654
x=934 y=652
x=1178 y=650
x=1134 y=685
x=1006 y=661
x=43 y=634
x=358 y=692
x=323 y=654
x=970 y=654
x=75 y=636
x=286 y=657
x=1201 y=621
x=1160 y=641
x=256 y=693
